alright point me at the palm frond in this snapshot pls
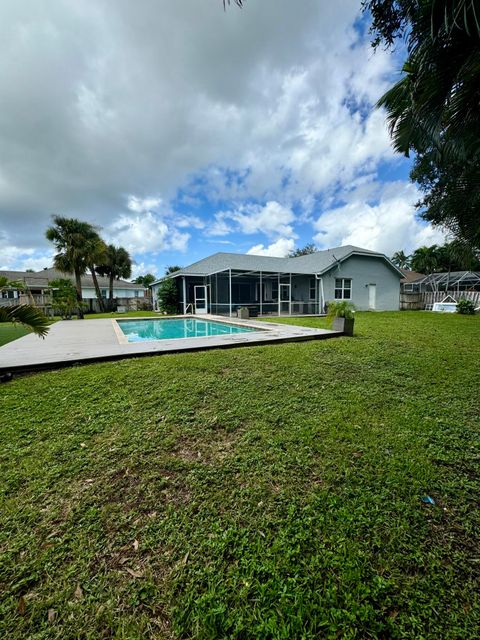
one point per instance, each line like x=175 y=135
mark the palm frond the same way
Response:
x=27 y=315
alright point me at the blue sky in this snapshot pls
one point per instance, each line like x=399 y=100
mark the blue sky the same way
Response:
x=181 y=130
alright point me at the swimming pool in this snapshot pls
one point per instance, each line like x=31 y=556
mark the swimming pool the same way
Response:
x=173 y=328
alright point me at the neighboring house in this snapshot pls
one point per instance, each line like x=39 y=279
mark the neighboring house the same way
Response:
x=223 y=282
x=408 y=280
x=37 y=289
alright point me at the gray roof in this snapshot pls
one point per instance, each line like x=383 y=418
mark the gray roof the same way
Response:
x=42 y=279
x=318 y=262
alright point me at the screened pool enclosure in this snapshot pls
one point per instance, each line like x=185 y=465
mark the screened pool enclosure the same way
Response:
x=262 y=293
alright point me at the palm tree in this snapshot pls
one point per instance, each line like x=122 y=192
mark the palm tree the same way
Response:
x=27 y=315
x=147 y=279
x=77 y=244
x=425 y=259
x=433 y=110
x=401 y=260
x=171 y=269
x=117 y=264
x=95 y=254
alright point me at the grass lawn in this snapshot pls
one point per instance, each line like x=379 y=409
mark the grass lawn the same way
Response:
x=9 y=332
x=262 y=492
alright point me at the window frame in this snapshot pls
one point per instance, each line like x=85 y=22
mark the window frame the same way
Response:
x=312 y=288
x=342 y=288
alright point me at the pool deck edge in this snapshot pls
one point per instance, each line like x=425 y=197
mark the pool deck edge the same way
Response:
x=93 y=341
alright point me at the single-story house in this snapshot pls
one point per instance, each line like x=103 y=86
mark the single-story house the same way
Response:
x=37 y=290
x=223 y=282
x=408 y=280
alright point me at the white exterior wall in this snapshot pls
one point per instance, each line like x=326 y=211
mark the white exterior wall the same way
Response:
x=88 y=293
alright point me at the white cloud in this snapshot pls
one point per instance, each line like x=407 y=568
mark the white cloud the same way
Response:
x=387 y=224
x=184 y=221
x=142 y=268
x=220 y=225
x=146 y=233
x=20 y=259
x=278 y=249
x=273 y=219
x=141 y=205
x=143 y=100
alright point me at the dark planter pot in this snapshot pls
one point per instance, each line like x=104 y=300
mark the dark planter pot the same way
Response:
x=344 y=325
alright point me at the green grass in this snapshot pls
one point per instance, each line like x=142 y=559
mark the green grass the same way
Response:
x=262 y=492
x=9 y=332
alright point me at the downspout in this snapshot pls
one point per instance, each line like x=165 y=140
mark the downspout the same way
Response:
x=184 y=291
x=290 y=296
x=261 y=293
x=321 y=302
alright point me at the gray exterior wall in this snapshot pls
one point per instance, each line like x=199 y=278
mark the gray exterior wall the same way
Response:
x=364 y=270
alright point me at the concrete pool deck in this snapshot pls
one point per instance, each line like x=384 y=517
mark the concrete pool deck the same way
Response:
x=71 y=342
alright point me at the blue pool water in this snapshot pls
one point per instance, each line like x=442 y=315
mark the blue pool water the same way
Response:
x=168 y=329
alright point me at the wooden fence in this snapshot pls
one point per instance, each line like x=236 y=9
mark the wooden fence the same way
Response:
x=425 y=299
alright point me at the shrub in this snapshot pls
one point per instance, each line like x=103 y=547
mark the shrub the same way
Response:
x=340 y=309
x=64 y=297
x=465 y=307
x=168 y=296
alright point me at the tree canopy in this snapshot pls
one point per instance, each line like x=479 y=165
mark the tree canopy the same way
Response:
x=171 y=269
x=452 y=256
x=303 y=251
x=145 y=280
x=78 y=245
x=434 y=110
x=116 y=264
x=401 y=260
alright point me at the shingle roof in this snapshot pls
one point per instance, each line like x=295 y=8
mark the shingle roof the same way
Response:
x=42 y=279
x=411 y=276
x=318 y=262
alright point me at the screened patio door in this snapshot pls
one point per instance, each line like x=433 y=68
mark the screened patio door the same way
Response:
x=201 y=299
x=285 y=300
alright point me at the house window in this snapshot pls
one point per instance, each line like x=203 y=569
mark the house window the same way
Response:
x=313 y=289
x=103 y=292
x=343 y=289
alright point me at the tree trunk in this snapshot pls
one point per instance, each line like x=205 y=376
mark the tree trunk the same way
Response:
x=78 y=286
x=98 y=293
x=111 y=292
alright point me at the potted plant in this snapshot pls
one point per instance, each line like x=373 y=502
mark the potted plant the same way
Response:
x=342 y=314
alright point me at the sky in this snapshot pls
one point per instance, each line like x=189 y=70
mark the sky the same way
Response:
x=181 y=129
